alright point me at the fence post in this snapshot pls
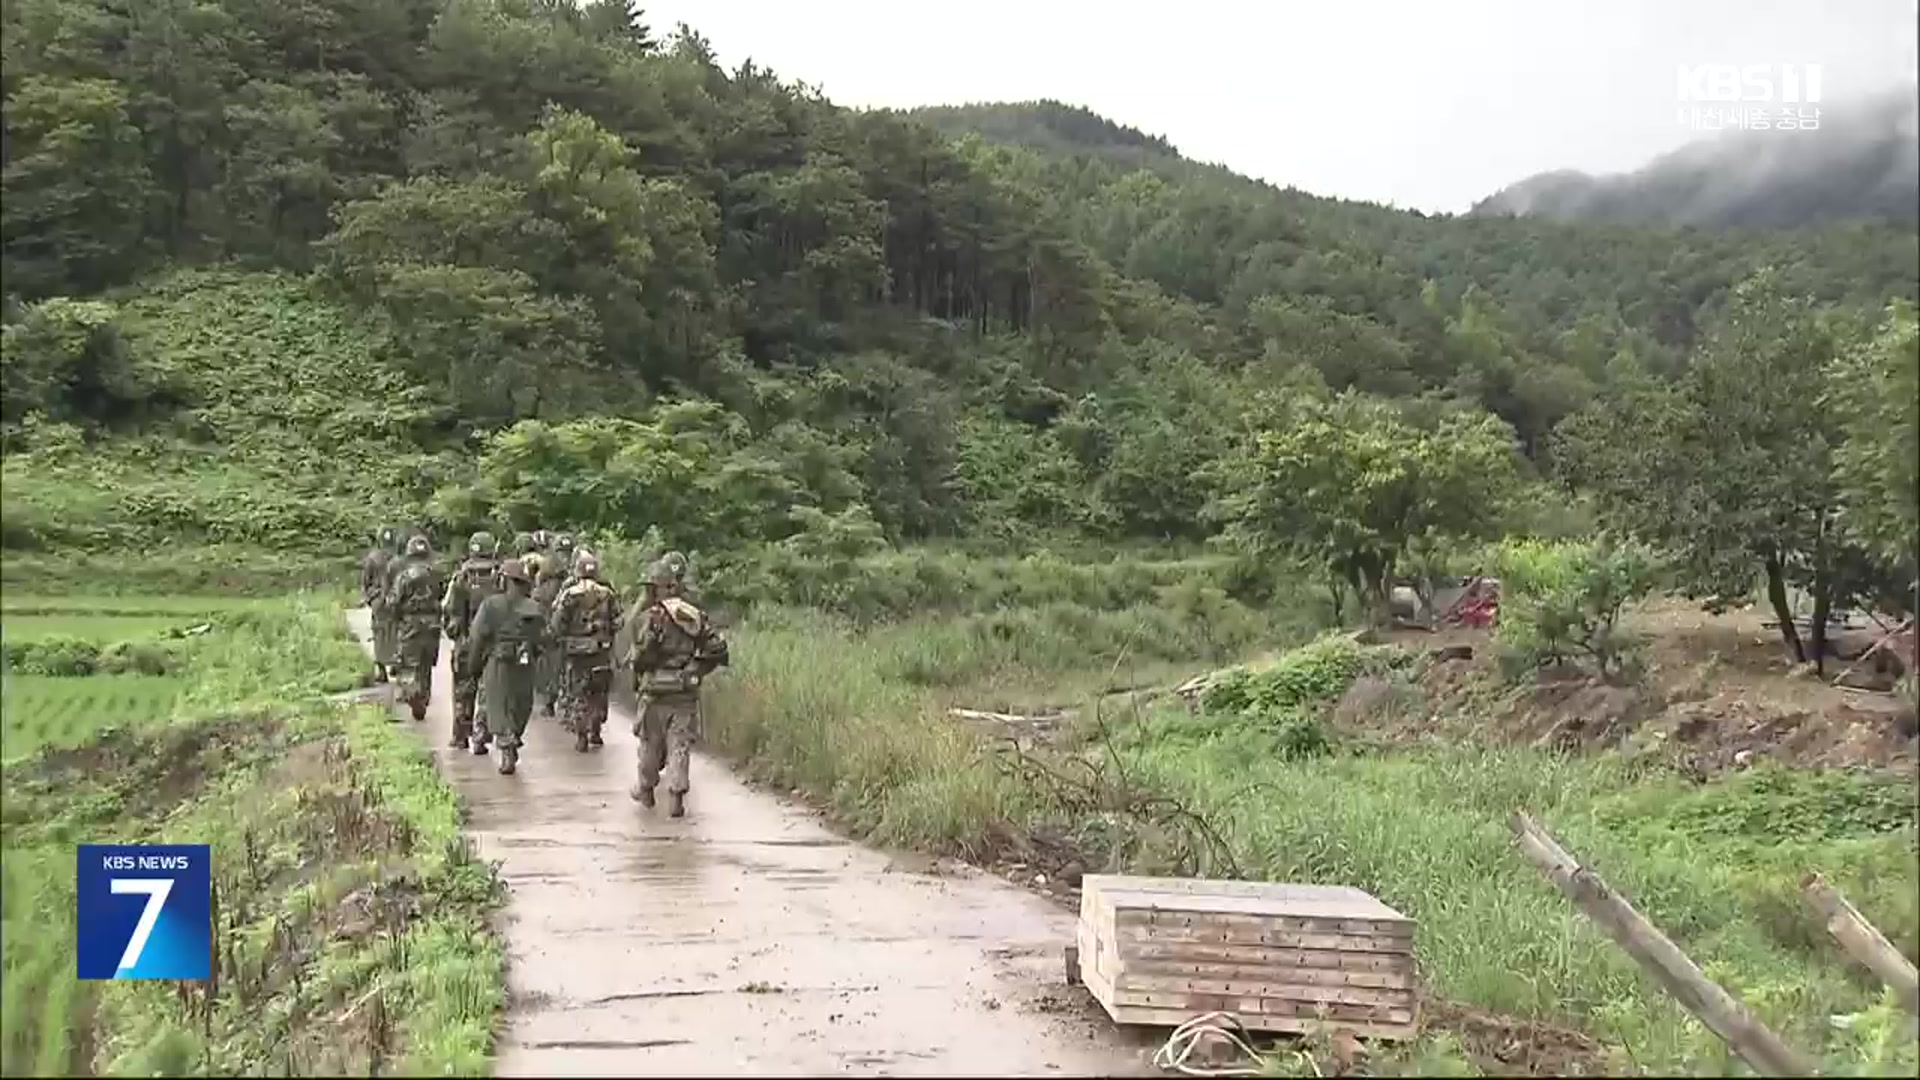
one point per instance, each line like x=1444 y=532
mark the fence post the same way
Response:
x=1718 y=1010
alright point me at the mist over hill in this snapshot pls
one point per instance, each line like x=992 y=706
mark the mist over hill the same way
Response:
x=1862 y=164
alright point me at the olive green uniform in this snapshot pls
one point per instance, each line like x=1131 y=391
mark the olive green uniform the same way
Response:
x=555 y=565
x=471 y=585
x=505 y=644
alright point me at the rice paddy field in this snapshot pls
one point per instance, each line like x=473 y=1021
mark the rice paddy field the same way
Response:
x=39 y=709
x=60 y=710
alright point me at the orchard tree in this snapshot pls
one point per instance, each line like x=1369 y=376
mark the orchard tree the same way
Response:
x=1875 y=392
x=1353 y=485
x=1732 y=468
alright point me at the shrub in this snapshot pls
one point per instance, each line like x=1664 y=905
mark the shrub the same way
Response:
x=1319 y=671
x=1560 y=602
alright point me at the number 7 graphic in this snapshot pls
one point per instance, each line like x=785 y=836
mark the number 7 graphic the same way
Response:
x=156 y=890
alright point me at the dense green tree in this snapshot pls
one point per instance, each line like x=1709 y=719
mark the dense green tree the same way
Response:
x=1874 y=389
x=1351 y=485
x=1732 y=468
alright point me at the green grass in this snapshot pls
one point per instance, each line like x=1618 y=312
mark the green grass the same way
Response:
x=817 y=708
x=353 y=930
x=89 y=627
x=168 y=609
x=186 y=576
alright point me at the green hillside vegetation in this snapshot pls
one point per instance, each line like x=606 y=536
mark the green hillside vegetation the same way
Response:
x=441 y=218
x=985 y=406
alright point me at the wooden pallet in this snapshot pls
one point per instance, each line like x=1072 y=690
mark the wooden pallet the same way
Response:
x=1287 y=958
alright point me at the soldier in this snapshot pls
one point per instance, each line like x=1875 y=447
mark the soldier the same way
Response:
x=672 y=648
x=373 y=593
x=584 y=618
x=414 y=599
x=467 y=589
x=504 y=644
x=395 y=563
x=555 y=565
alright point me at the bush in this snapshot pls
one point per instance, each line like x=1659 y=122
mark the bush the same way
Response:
x=1319 y=671
x=1560 y=602
x=71 y=656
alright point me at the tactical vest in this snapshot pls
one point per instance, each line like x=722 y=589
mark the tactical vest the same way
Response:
x=415 y=593
x=681 y=630
x=481 y=579
x=587 y=616
x=516 y=633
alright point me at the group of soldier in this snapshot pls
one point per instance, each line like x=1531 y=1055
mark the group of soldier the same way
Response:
x=543 y=624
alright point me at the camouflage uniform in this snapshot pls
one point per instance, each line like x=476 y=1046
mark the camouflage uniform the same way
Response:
x=673 y=648
x=505 y=644
x=554 y=568
x=373 y=593
x=581 y=626
x=467 y=589
x=414 y=598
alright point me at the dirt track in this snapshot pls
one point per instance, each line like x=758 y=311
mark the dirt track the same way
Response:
x=746 y=938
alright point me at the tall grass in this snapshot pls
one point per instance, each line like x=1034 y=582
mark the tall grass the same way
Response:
x=839 y=715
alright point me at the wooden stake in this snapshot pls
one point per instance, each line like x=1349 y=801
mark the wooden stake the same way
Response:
x=1718 y=1010
x=1863 y=941
x=1886 y=639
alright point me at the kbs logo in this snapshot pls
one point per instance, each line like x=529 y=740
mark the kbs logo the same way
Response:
x=1787 y=84
x=144 y=911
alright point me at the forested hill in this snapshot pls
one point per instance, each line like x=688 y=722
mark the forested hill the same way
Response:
x=1863 y=164
x=499 y=211
x=1051 y=127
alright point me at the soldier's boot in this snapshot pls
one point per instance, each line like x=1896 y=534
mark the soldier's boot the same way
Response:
x=462 y=731
x=418 y=705
x=379 y=674
x=593 y=731
x=676 y=804
x=641 y=795
x=509 y=758
x=579 y=728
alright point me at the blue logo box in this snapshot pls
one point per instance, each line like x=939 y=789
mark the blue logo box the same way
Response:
x=145 y=911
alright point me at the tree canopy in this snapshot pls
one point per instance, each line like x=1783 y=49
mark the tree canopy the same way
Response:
x=550 y=224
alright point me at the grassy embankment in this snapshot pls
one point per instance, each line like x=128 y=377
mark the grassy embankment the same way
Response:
x=858 y=720
x=352 y=924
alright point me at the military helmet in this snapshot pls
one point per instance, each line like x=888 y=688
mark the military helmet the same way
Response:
x=675 y=562
x=483 y=544
x=523 y=543
x=563 y=542
x=417 y=545
x=585 y=563
x=661 y=576
x=515 y=570
x=389 y=537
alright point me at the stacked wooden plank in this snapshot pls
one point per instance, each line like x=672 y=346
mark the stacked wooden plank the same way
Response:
x=1288 y=958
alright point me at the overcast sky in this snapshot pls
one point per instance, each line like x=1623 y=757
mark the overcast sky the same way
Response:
x=1430 y=104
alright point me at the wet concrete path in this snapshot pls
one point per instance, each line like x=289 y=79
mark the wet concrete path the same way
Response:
x=747 y=938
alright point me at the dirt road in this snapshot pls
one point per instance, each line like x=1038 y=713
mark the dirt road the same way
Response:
x=746 y=938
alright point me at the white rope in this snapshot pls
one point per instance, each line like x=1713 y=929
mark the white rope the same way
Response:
x=1219 y=1026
